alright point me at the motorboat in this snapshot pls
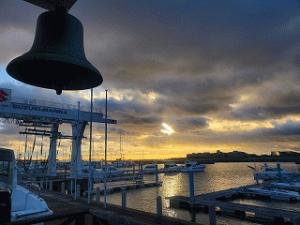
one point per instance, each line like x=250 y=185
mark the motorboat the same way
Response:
x=86 y=167
x=150 y=168
x=273 y=173
x=112 y=171
x=287 y=185
x=122 y=164
x=107 y=171
x=24 y=204
x=170 y=167
x=274 y=193
x=191 y=166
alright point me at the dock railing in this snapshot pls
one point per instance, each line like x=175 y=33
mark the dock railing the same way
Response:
x=76 y=217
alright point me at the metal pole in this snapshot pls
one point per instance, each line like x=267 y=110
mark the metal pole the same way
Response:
x=121 y=147
x=105 y=153
x=124 y=198
x=97 y=196
x=156 y=175
x=212 y=215
x=159 y=205
x=90 y=153
x=77 y=138
x=191 y=185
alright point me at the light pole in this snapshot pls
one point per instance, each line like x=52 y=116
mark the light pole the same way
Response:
x=76 y=155
x=105 y=151
x=90 y=186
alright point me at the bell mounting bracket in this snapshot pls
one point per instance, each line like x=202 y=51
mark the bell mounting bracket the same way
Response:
x=53 y=4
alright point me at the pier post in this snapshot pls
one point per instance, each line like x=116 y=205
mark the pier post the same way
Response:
x=50 y=185
x=133 y=170
x=256 y=179
x=124 y=198
x=193 y=216
x=71 y=187
x=63 y=187
x=41 y=184
x=191 y=185
x=159 y=205
x=77 y=191
x=279 y=171
x=97 y=196
x=46 y=184
x=142 y=172
x=212 y=215
x=156 y=175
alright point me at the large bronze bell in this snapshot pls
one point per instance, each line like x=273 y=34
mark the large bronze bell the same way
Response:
x=57 y=59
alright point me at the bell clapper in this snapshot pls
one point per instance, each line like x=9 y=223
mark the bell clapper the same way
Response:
x=58 y=91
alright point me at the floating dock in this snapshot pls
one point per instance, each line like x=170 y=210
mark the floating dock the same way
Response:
x=118 y=186
x=220 y=203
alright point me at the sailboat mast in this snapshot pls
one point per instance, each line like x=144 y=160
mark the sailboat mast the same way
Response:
x=121 y=145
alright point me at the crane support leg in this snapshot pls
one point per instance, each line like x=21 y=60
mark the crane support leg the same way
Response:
x=76 y=163
x=52 y=151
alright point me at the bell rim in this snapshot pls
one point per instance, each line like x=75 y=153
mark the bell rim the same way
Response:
x=94 y=73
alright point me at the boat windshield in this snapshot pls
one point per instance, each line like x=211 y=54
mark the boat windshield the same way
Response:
x=6 y=168
x=6 y=173
x=269 y=169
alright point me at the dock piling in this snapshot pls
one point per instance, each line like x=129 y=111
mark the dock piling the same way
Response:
x=97 y=196
x=156 y=174
x=51 y=185
x=46 y=184
x=212 y=215
x=133 y=169
x=41 y=184
x=191 y=185
x=63 y=187
x=124 y=198
x=159 y=206
x=71 y=187
x=78 y=190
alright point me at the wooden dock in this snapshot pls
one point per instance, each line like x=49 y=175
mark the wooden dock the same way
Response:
x=112 y=215
x=220 y=203
x=114 y=184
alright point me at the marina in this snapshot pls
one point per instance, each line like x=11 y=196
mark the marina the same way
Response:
x=149 y=112
x=217 y=205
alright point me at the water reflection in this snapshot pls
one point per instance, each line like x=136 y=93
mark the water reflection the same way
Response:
x=217 y=177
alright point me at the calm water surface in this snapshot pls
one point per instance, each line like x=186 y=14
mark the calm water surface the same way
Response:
x=216 y=177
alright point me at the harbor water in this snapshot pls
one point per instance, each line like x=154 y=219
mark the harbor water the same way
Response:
x=216 y=177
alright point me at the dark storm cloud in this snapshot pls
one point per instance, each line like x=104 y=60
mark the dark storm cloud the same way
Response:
x=271 y=99
x=289 y=128
x=186 y=37
x=280 y=132
x=199 y=56
x=190 y=123
x=266 y=112
x=174 y=47
x=134 y=111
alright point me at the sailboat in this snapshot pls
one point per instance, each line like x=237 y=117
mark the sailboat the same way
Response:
x=20 y=202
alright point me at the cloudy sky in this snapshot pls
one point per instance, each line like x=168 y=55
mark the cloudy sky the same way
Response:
x=184 y=75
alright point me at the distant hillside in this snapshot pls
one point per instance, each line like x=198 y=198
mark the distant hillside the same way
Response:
x=238 y=156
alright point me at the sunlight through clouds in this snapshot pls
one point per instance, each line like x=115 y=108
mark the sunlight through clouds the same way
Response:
x=167 y=129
